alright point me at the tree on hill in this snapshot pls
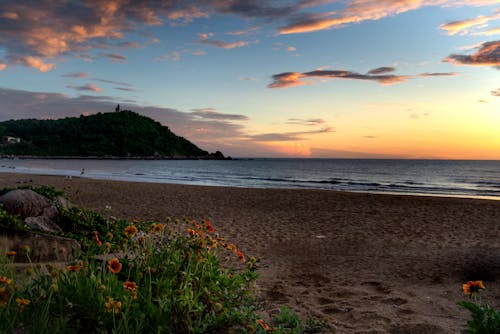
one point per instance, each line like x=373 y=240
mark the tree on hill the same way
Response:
x=122 y=134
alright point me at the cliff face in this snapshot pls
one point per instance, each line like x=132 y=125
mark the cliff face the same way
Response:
x=118 y=134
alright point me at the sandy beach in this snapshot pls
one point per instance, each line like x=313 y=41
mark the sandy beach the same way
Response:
x=367 y=263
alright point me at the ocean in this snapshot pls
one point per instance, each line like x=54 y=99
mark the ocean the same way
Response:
x=457 y=178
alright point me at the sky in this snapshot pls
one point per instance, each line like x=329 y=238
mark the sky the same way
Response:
x=304 y=78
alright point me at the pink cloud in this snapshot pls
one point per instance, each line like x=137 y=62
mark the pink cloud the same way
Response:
x=488 y=54
x=205 y=39
x=87 y=87
x=362 y=10
x=462 y=26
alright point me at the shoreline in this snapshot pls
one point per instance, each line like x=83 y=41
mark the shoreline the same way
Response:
x=364 y=262
x=137 y=179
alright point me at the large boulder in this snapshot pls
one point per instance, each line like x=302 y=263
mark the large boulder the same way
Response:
x=26 y=203
x=36 y=210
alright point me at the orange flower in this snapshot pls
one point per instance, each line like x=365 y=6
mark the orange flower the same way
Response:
x=96 y=238
x=112 y=306
x=130 y=286
x=10 y=253
x=190 y=231
x=241 y=256
x=131 y=230
x=4 y=296
x=158 y=227
x=264 y=326
x=473 y=287
x=5 y=280
x=22 y=301
x=73 y=268
x=209 y=227
x=114 y=265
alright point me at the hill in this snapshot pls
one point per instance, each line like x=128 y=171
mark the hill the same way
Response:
x=117 y=134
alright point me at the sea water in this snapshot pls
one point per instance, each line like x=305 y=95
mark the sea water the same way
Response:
x=462 y=178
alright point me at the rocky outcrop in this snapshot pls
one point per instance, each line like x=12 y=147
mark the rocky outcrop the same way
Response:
x=36 y=210
x=38 y=213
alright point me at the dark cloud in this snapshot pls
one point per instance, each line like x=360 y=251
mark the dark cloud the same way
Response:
x=209 y=133
x=125 y=89
x=488 y=54
x=119 y=83
x=37 y=33
x=289 y=79
x=114 y=57
x=76 y=75
x=309 y=121
x=381 y=70
x=495 y=92
x=87 y=87
x=210 y=113
x=437 y=74
x=286 y=136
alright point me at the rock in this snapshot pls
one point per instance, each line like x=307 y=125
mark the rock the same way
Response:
x=42 y=223
x=25 y=203
x=63 y=203
x=42 y=247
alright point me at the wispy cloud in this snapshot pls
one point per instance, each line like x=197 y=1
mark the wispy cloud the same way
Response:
x=172 y=56
x=206 y=39
x=495 y=92
x=290 y=79
x=361 y=10
x=381 y=70
x=113 y=82
x=210 y=113
x=286 y=136
x=488 y=54
x=308 y=122
x=114 y=57
x=488 y=32
x=465 y=26
x=76 y=75
x=87 y=87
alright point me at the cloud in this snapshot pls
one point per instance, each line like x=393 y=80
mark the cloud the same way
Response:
x=290 y=79
x=210 y=133
x=87 y=87
x=309 y=121
x=205 y=39
x=437 y=74
x=114 y=57
x=210 y=113
x=381 y=70
x=361 y=10
x=173 y=56
x=488 y=54
x=286 y=136
x=198 y=53
x=243 y=32
x=76 y=75
x=419 y=115
x=489 y=32
x=39 y=33
x=35 y=62
x=3 y=66
x=248 y=79
x=495 y=92
x=463 y=26
x=113 y=82
x=125 y=89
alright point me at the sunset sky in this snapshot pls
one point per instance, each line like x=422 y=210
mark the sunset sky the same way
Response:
x=309 y=78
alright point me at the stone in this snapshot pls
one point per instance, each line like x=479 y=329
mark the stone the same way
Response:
x=42 y=223
x=63 y=203
x=25 y=203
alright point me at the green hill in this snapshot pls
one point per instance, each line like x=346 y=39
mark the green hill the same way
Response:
x=118 y=134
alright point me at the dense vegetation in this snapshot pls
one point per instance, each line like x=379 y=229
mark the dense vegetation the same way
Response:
x=119 y=134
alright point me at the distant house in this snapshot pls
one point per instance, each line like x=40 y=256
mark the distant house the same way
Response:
x=10 y=140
